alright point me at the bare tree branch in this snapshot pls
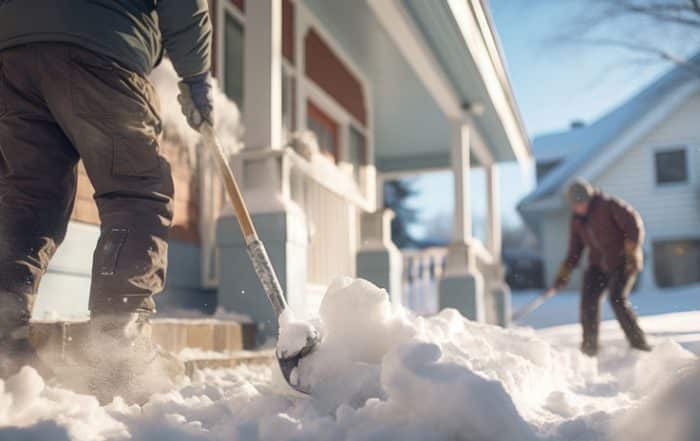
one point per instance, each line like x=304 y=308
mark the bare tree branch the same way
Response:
x=642 y=48
x=663 y=12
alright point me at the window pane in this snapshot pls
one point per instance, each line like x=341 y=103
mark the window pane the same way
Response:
x=233 y=60
x=543 y=168
x=357 y=151
x=288 y=100
x=676 y=262
x=671 y=166
x=326 y=130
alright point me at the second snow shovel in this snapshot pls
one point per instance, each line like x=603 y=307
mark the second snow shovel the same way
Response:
x=258 y=255
x=527 y=309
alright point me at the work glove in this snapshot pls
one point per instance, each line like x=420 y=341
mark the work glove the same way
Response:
x=633 y=257
x=197 y=100
x=563 y=277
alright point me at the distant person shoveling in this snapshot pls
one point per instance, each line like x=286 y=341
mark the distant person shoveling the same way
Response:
x=613 y=233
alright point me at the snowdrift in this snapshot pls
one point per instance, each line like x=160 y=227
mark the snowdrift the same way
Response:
x=383 y=373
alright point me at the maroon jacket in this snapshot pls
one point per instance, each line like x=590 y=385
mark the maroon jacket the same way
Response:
x=603 y=230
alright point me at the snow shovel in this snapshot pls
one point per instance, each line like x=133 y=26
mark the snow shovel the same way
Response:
x=258 y=255
x=527 y=309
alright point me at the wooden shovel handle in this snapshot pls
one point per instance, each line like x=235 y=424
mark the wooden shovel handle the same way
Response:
x=234 y=192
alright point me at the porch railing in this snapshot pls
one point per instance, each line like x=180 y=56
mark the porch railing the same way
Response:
x=423 y=269
x=329 y=198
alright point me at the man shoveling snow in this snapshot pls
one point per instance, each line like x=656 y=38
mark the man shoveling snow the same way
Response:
x=73 y=87
x=613 y=233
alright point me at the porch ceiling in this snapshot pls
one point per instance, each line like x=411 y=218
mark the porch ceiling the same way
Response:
x=460 y=35
x=410 y=131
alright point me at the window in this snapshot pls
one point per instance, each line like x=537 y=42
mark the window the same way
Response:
x=288 y=100
x=326 y=130
x=543 y=168
x=676 y=262
x=357 y=151
x=233 y=59
x=671 y=166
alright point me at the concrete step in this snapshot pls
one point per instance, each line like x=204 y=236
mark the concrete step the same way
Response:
x=55 y=339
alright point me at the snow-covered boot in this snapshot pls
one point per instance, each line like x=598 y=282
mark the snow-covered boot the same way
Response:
x=17 y=351
x=123 y=361
x=589 y=348
x=642 y=346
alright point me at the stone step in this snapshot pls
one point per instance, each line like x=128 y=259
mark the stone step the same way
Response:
x=173 y=335
x=231 y=360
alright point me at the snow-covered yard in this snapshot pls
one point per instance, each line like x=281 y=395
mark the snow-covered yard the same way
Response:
x=383 y=374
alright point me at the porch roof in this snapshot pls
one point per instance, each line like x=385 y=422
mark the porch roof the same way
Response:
x=419 y=85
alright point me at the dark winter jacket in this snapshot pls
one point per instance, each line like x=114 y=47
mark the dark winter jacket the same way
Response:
x=132 y=32
x=603 y=231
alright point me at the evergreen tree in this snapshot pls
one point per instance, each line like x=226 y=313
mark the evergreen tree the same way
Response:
x=396 y=196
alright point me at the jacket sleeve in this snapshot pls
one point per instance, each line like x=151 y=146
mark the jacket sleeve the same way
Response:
x=186 y=31
x=576 y=247
x=628 y=221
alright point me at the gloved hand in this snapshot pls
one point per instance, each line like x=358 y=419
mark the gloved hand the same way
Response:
x=197 y=100
x=563 y=277
x=633 y=257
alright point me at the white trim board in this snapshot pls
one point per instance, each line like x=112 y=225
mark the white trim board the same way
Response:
x=478 y=47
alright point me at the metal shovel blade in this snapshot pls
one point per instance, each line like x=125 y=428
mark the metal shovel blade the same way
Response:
x=288 y=364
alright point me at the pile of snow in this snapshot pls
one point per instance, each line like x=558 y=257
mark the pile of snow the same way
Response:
x=382 y=373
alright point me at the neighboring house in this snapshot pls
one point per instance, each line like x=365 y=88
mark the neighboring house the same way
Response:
x=645 y=151
x=338 y=96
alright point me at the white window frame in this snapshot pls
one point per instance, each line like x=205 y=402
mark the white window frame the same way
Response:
x=689 y=160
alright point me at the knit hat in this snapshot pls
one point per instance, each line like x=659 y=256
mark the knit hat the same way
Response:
x=580 y=191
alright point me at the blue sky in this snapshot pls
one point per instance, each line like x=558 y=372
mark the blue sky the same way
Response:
x=554 y=83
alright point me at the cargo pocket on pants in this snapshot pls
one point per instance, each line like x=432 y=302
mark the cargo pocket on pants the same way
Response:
x=136 y=158
x=108 y=250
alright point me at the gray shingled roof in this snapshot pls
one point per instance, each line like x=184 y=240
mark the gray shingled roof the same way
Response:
x=586 y=142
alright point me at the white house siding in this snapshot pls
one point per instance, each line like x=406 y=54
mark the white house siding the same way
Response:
x=673 y=211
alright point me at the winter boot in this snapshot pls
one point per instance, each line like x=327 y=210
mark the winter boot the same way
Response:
x=589 y=348
x=642 y=346
x=122 y=360
x=16 y=350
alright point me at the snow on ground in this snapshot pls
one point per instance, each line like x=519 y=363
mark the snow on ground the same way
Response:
x=384 y=374
x=563 y=308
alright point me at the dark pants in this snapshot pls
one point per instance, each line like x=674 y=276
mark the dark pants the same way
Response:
x=60 y=104
x=619 y=285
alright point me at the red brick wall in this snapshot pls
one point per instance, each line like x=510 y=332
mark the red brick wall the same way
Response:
x=331 y=74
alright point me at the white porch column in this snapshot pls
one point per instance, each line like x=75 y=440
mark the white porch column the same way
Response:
x=462 y=286
x=265 y=179
x=497 y=286
x=461 y=168
x=493 y=211
x=378 y=259
x=262 y=74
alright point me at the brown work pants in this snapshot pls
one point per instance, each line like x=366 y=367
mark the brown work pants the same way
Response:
x=619 y=284
x=60 y=104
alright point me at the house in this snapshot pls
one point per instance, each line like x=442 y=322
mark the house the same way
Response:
x=644 y=151
x=336 y=97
